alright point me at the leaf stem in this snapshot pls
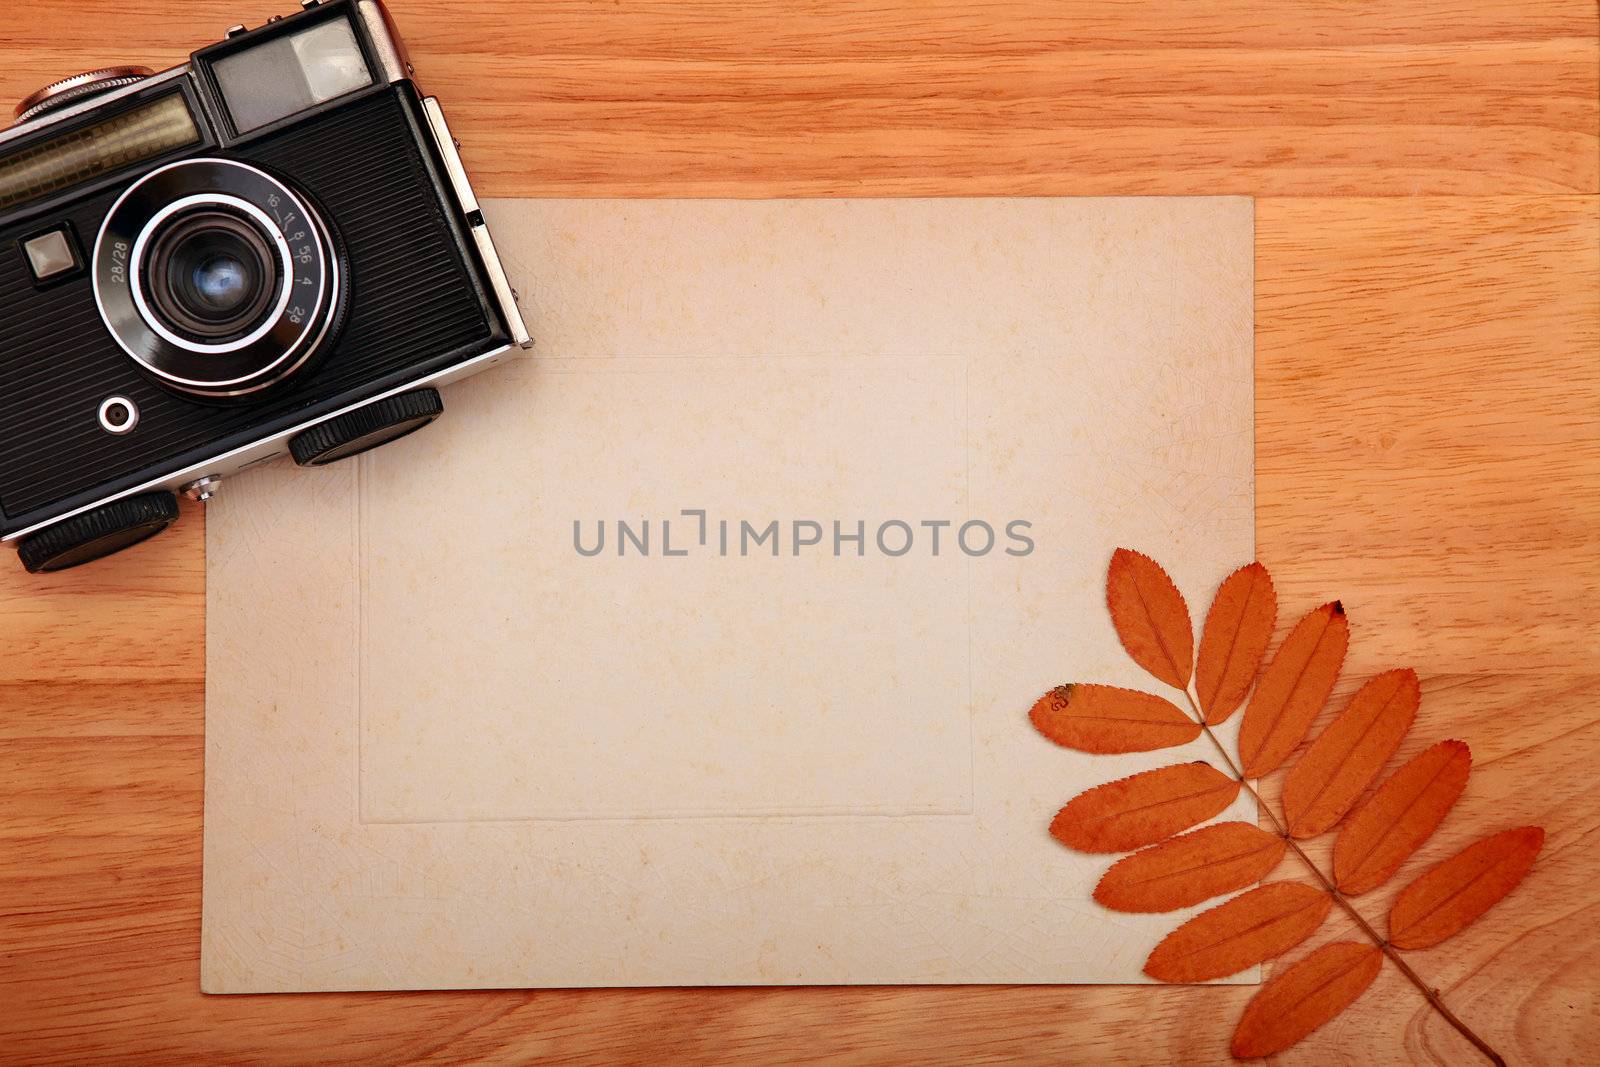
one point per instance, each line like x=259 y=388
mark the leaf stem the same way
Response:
x=1428 y=991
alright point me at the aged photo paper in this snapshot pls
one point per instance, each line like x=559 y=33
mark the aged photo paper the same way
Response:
x=696 y=645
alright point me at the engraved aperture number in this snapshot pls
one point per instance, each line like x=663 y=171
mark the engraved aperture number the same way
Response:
x=119 y=262
x=293 y=228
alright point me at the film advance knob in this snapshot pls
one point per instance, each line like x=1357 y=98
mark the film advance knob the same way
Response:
x=98 y=532
x=59 y=94
x=367 y=427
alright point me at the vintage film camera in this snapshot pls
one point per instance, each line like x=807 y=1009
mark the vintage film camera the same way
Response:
x=271 y=249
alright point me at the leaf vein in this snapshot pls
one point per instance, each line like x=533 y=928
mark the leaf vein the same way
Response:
x=1423 y=917
x=1341 y=760
x=1383 y=835
x=1163 y=802
x=1271 y=920
x=1277 y=720
x=1233 y=644
x=1237 y=857
x=1155 y=629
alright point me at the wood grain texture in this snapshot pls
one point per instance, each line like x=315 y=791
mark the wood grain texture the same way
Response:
x=1428 y=450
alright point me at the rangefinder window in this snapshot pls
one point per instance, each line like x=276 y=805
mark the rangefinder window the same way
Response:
x=145 y=132
x=287 y=74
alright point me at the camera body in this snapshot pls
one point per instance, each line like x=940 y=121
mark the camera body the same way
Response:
x=271 y=249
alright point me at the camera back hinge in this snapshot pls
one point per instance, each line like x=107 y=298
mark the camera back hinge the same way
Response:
x=468 y=202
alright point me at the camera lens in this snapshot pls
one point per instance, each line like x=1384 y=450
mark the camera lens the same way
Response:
x=211 y=275
x=218 y=279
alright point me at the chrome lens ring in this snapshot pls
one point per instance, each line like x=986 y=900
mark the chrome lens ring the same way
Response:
x=214 y=274
x=279 y=287
x=304 y=271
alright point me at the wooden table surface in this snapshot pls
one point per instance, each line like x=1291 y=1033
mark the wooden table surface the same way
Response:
x=1428 y=449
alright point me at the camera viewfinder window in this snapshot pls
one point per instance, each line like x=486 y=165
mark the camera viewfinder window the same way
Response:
x=288 y=74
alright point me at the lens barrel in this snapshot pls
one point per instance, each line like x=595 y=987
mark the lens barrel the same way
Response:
x=210 y=275
x=217 y=278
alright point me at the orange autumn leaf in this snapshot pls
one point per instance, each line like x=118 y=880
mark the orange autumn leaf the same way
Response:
x=1293 y=689
x=1447 y=899
x=1252 y=927
x=1302 y=998
x=1171 y=872
x=1186 y=870
x=1348 y=755
x=1399 y=817
x=1144 y=808
x=1237 y=630
x=1150 y=616
x=1106 y=720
